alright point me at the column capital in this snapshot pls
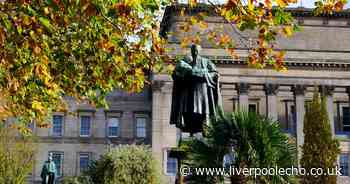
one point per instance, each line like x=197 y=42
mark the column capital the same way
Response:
x=299 y=89
x=161 y=86
x=326 y=90
x=157 y=85
x=271 y=89
x=242 y=88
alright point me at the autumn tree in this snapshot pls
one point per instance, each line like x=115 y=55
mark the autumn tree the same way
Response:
x=50 y=49
x=320 y=149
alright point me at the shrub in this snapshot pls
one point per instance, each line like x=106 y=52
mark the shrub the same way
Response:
x=125 y=164
x=76 y=180
x=16 y=156
x=320 y=150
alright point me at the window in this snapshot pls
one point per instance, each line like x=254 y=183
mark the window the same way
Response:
x=171 y=164
x=292 y=118
x=113 y=127
x=344 y=164
x=84 y=161
x=85 y=126
x=57 y=158
x=57 y=125
x=252 y=108
x=141 y=127
x=346 y=119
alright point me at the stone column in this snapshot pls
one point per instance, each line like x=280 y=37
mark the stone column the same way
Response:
x=271 y=91
x=299 y=100
x=327 y=92
x=243 y=99
x=164 y=135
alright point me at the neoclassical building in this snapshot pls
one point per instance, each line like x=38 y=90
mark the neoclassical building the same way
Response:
x=318 y=56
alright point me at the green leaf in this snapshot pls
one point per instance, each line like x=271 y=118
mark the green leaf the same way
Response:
x=46 y=23
x=7 y=23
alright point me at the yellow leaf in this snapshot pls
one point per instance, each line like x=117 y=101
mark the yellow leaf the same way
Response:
x=37 y=105
x=185 y=27
x=194 y=20
x=250 y=5
x=203 y=25
x=185 y=42
x=282 y=3
x=287 y=31
x=193 y=3
x=139 y=72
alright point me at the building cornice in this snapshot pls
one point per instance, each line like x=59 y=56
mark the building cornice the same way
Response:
x=304 y=63
x=92 y=140
x=300 y=12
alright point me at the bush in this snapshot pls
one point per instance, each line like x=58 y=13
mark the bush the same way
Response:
x=320 y=149
x=16 y=156
x=76 y=180
x=125 y=164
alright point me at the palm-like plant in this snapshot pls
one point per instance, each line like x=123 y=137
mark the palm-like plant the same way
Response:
x=258 y=143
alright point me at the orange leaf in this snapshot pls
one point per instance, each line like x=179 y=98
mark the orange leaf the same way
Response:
x=224 y=40
x=37 y=50
x=339 y=6
x=2 y=36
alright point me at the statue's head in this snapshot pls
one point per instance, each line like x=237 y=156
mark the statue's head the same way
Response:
x=195 y=49
x=50 y=157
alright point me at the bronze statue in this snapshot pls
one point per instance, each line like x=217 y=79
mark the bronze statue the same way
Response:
x=48 y=173
x=196 y=93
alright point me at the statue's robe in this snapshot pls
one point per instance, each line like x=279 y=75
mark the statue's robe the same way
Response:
x=49 y=168
x=196 y=94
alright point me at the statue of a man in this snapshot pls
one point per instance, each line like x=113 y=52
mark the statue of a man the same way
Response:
x=196 y=93
x=229 y=158
x=48 y=173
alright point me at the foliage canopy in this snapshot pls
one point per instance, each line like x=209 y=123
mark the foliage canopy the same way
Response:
x=50 y=49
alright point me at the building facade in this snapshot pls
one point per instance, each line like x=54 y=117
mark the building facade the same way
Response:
x=318 y=56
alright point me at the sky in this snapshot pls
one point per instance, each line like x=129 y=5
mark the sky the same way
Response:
x=310 y=4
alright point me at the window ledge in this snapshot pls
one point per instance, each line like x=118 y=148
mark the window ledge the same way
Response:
x=113 y=136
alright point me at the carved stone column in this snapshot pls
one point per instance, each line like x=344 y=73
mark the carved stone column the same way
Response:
x=243 y=99
x=299 y=100
x=271 y=91
x=327 y=92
